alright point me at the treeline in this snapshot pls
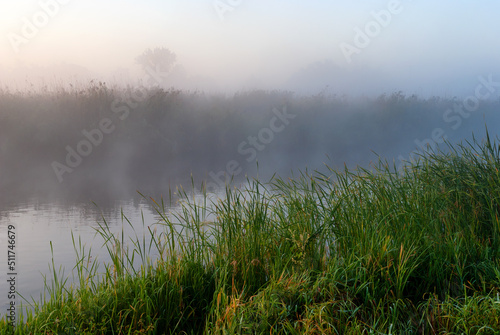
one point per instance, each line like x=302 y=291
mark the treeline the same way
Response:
x=103 y=140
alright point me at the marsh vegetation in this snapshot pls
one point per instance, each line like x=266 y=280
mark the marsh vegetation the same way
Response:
x=154 y=138
x=344 y=252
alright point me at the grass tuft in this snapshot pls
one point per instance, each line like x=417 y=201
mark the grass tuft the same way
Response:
x=374 y=251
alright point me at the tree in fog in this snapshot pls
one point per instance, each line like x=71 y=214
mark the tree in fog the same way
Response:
x=160 y=65
x=157 y=59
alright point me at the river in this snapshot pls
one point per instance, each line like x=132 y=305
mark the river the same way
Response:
x=31 y=230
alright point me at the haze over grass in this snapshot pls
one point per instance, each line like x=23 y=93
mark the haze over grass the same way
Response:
x=423 y=48
x=156 y=138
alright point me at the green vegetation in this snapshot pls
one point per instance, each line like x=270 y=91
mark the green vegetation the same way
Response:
x=367 y=251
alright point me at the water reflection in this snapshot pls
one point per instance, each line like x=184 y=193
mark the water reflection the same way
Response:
x=38 y=224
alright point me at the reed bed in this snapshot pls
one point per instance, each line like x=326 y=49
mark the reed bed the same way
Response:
x=161 y=138
x=365 y=251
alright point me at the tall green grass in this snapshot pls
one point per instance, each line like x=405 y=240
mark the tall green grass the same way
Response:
x=376 y=251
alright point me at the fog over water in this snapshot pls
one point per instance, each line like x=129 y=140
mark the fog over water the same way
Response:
x=103 y=98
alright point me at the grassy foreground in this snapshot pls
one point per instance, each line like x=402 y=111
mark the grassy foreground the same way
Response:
x=352 y=252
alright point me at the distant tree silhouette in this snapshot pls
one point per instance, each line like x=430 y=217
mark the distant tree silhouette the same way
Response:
x=157 y=59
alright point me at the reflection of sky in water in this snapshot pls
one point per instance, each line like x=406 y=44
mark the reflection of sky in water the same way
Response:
x=37 y=226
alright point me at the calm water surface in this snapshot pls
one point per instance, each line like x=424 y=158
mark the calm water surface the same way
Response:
x=38 y=225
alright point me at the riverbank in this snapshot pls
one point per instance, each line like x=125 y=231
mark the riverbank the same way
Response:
x=366 y=251
x=97 y=142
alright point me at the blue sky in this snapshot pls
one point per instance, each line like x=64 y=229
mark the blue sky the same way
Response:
x=427 y=47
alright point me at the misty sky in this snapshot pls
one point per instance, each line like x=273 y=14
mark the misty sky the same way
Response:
x=424 y=47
